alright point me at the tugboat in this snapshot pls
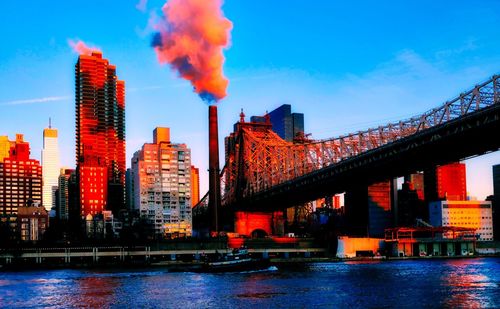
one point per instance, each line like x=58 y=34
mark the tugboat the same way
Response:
x=235 y=261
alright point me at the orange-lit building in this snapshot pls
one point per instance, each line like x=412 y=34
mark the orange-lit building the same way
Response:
x=20 y=179
x=100 y=135
x=451 y=182
x=161 y=174
x=195 y=185
x=468 y=214
x=5 y=145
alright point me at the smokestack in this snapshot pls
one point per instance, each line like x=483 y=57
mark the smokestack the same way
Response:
x=214 y=201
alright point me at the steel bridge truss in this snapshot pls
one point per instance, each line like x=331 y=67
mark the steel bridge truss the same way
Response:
x=259 y=159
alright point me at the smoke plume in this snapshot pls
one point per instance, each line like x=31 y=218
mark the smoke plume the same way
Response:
x=190 y=37
x=81 y=48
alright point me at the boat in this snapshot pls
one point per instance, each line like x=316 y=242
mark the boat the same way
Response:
x=236 y=260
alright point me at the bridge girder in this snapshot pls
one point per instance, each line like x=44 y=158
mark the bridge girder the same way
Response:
x=265 y=172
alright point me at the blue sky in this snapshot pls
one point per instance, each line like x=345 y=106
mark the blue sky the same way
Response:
x=345 y=66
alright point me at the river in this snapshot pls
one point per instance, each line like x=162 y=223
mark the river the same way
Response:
x=457 y=283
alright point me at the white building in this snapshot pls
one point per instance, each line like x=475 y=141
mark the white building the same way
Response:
x=50 y=167
x=469 y=214
x=161 y=177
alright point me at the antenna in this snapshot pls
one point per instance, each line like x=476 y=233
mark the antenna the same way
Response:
x=50 y=123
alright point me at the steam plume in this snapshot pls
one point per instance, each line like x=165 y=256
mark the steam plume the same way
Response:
x=81 y=48
x=191 y=36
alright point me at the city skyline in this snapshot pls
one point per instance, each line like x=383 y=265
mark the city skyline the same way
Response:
x=341 y=89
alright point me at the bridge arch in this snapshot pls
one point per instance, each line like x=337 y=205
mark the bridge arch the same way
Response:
x=258 y=233
x=247 y=223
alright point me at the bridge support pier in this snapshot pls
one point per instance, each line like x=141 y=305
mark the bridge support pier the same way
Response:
x=67 y=256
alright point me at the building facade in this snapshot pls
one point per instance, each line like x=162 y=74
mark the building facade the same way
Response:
x=20 y=179
x=5 y=145
x=446 y=182
x=32 y=222
x=417 y=182
x=195 y=185
x=63 y=197
x=100 y=135
x=50 y=163
x=161 y=173
x=468 y=214
x=496 y=180
x=496 y=201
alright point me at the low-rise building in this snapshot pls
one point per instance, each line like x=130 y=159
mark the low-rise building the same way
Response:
x=32 y=222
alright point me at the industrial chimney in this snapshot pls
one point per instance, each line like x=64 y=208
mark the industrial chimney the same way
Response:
x=214 y=199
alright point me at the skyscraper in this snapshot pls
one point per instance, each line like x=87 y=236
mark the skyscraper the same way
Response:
x=100 y=135
x=161 y=173
x=285 y=123
x=50 y=163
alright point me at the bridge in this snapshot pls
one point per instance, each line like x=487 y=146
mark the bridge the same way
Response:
x=265 y=173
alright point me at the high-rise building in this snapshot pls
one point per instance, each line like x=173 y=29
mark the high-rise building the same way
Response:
x=161 y=173
x=50 y=163
x=470 y=214
x=20 y=179
x=63 y=198
x=100 y=135
x=195 y=185
x=285 y=123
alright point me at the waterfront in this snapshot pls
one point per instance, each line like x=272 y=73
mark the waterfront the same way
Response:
x=467 y=283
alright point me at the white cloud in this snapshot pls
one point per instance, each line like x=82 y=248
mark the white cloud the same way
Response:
x=36 y=100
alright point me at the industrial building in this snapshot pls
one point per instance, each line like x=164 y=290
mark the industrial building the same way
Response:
x=475 y=215
x=430 y=241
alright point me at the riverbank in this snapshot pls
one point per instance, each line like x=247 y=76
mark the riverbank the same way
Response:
x=195 y=265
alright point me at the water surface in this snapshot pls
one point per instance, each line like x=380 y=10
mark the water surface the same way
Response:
x=461 y=283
